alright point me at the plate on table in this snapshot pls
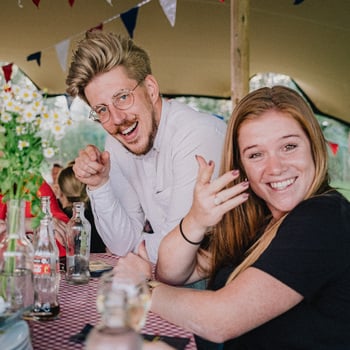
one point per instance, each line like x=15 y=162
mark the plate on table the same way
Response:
x=9 y=318
x=16 y=337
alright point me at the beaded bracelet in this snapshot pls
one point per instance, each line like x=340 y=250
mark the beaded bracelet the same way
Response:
x=184 y=237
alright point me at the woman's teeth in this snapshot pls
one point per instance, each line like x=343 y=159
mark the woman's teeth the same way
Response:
x=282 y=184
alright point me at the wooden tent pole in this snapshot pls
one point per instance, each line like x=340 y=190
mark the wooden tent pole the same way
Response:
x=239 y=50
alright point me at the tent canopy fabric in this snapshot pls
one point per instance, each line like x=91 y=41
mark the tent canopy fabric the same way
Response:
x=308 y=40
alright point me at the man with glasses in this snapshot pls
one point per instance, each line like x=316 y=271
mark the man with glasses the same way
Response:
x=148 y=168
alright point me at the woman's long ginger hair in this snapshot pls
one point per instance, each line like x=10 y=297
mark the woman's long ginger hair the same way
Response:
x=246 y=231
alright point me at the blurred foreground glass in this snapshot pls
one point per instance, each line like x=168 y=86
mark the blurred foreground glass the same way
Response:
x=137 y=293
x=113 y=331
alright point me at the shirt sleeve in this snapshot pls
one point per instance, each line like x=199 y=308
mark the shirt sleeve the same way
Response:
x=120 y=225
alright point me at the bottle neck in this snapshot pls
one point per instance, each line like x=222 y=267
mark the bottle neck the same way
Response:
x=78 y=210
x=45 y=206
x=45 y=233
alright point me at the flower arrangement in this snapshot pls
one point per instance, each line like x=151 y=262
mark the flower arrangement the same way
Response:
x=28 y=130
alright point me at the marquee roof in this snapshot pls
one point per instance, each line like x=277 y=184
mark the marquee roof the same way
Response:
x=309 y=41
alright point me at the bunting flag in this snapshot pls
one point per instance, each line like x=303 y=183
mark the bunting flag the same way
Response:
x=129 y=20
x=62 y=53
x=169 y=8
x=334 y=147
x=7 y=69
x=35 y=57
x=297 y=2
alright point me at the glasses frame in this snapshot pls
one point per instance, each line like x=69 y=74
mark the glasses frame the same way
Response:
x=94 y=116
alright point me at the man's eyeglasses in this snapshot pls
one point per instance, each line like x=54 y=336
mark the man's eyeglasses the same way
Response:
x=122 y=100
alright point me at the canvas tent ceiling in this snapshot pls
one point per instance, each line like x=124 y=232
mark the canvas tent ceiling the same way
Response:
x=309 y=41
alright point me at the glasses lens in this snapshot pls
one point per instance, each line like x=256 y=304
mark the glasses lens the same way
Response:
x=94 y=116
x=100 y=113
x=123 y=100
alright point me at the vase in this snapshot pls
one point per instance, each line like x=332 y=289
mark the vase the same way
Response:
x=16 y=262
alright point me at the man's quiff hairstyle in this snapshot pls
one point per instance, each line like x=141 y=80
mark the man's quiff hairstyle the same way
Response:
x=99 y=52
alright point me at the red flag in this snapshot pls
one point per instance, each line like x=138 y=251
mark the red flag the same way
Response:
x=333 y=146
x=36 y=2
x=7 y=72
x=71 y=2
x=99 y=27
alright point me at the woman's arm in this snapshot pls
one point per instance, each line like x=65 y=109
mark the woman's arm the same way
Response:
x=247 y=302
x=178 y=260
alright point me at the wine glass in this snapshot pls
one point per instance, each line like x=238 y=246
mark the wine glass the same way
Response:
x=138 y=296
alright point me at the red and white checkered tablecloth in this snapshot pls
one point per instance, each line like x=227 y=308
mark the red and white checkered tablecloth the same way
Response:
x=78 y=308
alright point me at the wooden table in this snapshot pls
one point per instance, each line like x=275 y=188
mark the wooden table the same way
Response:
x=78 y=308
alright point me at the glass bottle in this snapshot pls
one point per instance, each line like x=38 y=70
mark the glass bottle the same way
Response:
x=113 y=331
x=78 y=246
x=16 y=261
x=46 y=268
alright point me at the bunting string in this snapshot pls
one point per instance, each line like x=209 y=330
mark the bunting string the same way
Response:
x=128 y=18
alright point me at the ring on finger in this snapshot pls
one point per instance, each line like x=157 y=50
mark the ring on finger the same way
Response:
x=217 y=200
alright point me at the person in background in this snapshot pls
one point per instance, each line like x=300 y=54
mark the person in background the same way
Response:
x=147 y=171
x=72 y=190
x=278 y=258
x=60 y=218
x=55 y=170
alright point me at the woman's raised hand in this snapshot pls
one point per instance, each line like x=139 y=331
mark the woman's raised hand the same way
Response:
x=212 y=198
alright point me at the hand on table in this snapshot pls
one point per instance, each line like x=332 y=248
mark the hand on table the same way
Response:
x=135 y=263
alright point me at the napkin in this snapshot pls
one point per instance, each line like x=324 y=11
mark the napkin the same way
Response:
x=178 y=343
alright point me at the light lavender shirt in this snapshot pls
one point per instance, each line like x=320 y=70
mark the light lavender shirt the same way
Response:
x=157 y=186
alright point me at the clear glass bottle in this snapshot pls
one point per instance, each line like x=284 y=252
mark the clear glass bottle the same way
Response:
x=78 y=246
x=46 y=268
x=113 y=331
x=16 y=261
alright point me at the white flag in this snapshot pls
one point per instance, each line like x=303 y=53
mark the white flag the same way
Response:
x=62 y=53
x=169 y=8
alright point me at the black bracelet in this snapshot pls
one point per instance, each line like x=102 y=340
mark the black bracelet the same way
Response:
x=184 y=237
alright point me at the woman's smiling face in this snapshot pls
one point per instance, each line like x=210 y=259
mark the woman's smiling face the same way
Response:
x=277 y=159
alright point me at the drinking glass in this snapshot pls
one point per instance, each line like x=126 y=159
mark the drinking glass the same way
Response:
x=138 y=296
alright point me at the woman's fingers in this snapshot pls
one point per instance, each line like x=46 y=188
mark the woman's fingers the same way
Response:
x=205 y=170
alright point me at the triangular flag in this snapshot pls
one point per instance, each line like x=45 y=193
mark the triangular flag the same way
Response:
x=7 y=72
x=36 y=2
x=334 y=147
x=169 y=8
x=99 y=27
x=35 y=57
x=110 y=2
x=71 y=2
x=129 y=20
x=62 y=53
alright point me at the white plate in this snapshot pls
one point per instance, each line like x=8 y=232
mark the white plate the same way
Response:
x=16 y=337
